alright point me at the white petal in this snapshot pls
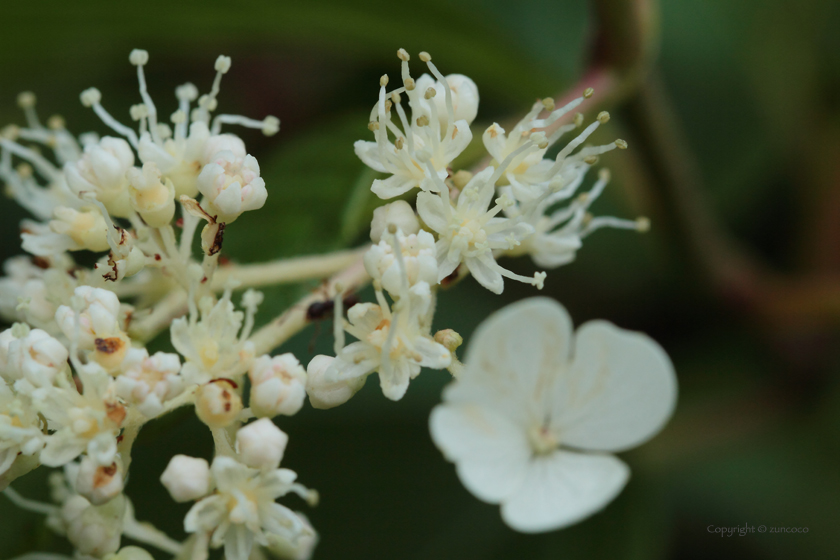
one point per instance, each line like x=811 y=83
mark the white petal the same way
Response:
x=563 y=488
x=432 y=212
x=395 y=185
x=458 y=143
x=238 y=543
x=490 y=451
x=619 y=392
x=486 y=275
x=368 y=152
x=61 y=448
x=434 y=355
x=518 y=351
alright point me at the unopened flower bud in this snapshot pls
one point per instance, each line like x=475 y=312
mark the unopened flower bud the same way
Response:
x=94 y=530
x=217 y=403
x=99 y=484
x=400 y=213
x=450 y=339
x=278 y=385
x=464 y=98
x=186 y=478
x=261 y=444
x=152 y=198
x=325 y=394
x=86 y=228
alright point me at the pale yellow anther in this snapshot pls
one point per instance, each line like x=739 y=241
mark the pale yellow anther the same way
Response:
x=578 y=119
x=422 y=120
x=373 y=125
x=26 y=99
x=403 y=55
x=604 y=175
x=642 y=224
x=383 y=81
x=430 y=92
x=587 y=93
x=409 y=84
x=461 y=178
x=621 y=144
x=10 y=132
x=548 y=103
x=425 y=57
x=56 y=122
x=24 y=170
x=396 y=97
x=591 y=160
x=392 y=229
x=399 y=143
x=388 y=105
x=603 y=117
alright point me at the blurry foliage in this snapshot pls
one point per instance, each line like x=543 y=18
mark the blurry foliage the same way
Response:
x=756 y=84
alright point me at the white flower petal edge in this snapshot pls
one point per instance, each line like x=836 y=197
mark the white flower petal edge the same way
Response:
x=531 y=389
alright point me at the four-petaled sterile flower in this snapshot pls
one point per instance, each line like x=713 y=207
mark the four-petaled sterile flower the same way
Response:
x=242 y=511
x=532 y=420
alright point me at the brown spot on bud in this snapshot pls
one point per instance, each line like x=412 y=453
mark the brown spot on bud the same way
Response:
x=115 y=412
x=104 y=475
x=108 y=345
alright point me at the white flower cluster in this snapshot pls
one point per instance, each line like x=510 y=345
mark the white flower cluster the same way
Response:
x=77 y=382
x=508 y=208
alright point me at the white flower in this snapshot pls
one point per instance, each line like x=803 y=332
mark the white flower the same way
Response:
x=212 y=344
x=35 y=356
x=88 y=422
x=427 y=143
x=149 y=381
x=324 y=393
x=532 y=420
x=19 y=427
x=102 y=170
x=86 y=228
x=558 y=236
x=232 y=184
x=181 y=158
x=400 y=213
x=186 y=478
x=97 y=327
x=242 y=511
x=469 y=232
x=396 y=345
x=261 y=444
x=301 y=549
x=218 y=403
x=464 y=97
x=93 y=530
x=24 y=295
x=97 y=483
x=418 y=254
x=278 y=385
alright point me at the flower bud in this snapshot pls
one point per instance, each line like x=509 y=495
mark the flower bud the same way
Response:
x=324 y=394
x=35 y=356
x=152 y=198
x=464 y=98
x=217 y=403
x=186 y=478
x=97 y=319
x=261 y=444
x=400 y=213
x=102 y=170
x=86 y=228
x=99 y=484
x=94 y=530
x=278 y=385
x=419 y=260
x=220 y=143
x=232 y=184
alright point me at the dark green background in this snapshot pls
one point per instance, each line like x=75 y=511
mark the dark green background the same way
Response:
x=751 y=88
